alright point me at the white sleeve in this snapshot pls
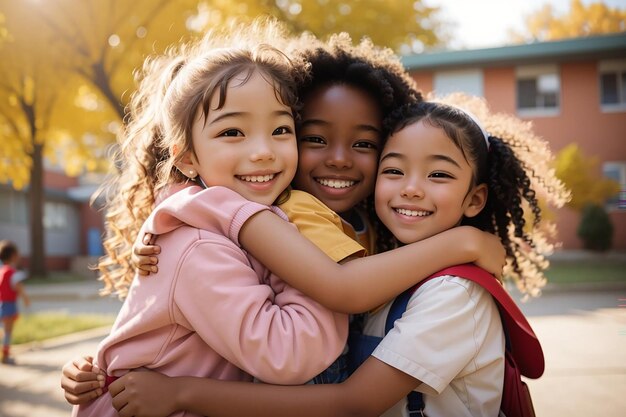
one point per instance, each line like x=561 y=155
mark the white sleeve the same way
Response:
x=18 y=277
x=438 y=335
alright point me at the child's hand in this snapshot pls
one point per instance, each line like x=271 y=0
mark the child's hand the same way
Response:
x=141 y=256
x=82 y=381
x=143 y=394
x=490 y=254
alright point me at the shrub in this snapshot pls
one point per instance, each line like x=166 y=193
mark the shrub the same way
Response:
x=595 y=228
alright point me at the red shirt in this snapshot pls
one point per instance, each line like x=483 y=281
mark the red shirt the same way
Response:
x=7 y=292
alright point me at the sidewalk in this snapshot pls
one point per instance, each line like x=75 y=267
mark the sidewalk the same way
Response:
x=583 y=335
x=33 y=387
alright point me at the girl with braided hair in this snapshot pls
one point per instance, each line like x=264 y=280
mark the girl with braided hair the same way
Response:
x=439 y=170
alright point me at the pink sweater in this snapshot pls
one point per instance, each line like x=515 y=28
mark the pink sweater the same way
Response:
x=212 y=310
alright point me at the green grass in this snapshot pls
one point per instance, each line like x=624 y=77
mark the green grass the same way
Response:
x=42 y=326
x=573 y=272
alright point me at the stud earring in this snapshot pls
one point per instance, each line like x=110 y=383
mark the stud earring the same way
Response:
x=192 y=173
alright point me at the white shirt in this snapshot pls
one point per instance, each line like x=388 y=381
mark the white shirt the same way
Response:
x=17 y=277
x=451 y=339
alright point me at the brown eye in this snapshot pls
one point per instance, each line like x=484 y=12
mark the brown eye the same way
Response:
x=391 y=171
x=231 y=132
x=313 y=139
x=364 y=144
x=283 y=130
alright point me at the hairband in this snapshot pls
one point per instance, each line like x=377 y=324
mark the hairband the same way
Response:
x=477 y=122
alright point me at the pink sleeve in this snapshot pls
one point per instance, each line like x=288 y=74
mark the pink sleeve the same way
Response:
x=283 y=338
x=216 y=209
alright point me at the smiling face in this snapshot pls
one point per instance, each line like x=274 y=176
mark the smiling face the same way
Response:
x=339 y=141
x=424 y=184
x=248 y=145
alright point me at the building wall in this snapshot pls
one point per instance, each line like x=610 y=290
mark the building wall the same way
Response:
x=68 y=223
x=58 y=180
x=580 y=120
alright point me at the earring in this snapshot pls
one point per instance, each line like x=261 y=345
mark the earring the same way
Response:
x=192 y=174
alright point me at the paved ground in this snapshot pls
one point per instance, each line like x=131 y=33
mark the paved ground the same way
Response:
x=583 y=332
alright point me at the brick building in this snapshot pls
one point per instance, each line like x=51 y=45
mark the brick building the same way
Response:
x=573 y=91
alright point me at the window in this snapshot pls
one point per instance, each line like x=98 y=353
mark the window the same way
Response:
x=613 y=85
x=55 y=215
x=469 y=82
x=616 y=171
x=13 y=207
x=538 y=90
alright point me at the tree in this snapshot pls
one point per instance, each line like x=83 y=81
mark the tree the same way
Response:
x=581 y=20
x=595 y=228
x=61 y=91
x=104 y=41
x=28 y=99
x=580 y=175
x=409 y=26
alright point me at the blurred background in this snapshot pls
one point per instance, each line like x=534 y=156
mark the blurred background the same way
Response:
x=66 y=75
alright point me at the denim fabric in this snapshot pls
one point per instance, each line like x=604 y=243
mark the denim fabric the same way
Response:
x=361 y=347
x=337 y=372
x=8 y=309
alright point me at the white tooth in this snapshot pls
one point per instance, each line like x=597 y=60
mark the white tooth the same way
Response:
x=336 y=183
x=257 y=178
x=413 y=213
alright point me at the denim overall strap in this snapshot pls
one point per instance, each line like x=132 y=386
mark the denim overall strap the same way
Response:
x=415 y=400
x=361 y=347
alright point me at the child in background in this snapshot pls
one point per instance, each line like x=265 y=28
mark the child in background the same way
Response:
x=438 y=170
x=209 y=128
x=10 y=289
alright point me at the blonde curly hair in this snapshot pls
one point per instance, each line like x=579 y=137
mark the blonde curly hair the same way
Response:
x=172 y=89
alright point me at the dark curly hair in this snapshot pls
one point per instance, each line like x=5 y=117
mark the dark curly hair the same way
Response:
x=508 y=180
x=374 y=70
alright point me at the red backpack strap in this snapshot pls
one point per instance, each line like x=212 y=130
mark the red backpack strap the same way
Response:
x=524 y=345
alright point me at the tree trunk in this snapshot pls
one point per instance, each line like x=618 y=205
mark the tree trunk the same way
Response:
x=102 y=81
x=36 y=199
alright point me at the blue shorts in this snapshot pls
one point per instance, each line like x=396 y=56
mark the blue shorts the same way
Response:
x=8 y=309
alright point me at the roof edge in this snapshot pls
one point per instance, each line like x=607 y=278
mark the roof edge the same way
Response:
x=568 y=49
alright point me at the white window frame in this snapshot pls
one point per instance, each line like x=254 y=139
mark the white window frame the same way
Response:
x=607 y=67
x=55 y=215
x=620 y=168
x=456 y=82
x=534 y=72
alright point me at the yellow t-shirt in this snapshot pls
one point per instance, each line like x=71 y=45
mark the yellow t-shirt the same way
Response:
x=321 y=225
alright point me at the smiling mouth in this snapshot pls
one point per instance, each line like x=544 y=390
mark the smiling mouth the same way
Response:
x=413 y=213
x=256 y=178
x=335 y=183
